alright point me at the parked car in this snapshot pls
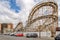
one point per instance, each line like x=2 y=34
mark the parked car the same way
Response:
x=6 y=33
x=57 y=37
x=31 y=35
x=17 y=34
x=12 y=34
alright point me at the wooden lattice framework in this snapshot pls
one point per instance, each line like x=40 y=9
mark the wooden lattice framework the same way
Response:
x=19 y=27
x=50 y=19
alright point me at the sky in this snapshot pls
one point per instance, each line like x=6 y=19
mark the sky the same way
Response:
x=15 y=11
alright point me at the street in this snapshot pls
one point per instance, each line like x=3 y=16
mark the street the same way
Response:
x=7 y=37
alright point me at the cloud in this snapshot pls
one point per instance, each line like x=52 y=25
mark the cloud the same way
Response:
x=6 y=11
x=26 y=9
x=27 y=6
x=7 y=15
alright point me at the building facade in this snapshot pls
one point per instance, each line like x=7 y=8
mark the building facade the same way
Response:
x=6 y=28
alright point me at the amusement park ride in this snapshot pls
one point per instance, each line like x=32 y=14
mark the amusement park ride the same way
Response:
x=39 y=20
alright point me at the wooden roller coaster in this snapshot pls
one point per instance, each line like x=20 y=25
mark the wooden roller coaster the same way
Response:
x=51 y=19
x=38 y=22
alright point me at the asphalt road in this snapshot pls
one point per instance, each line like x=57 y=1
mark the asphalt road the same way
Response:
x=6 y=37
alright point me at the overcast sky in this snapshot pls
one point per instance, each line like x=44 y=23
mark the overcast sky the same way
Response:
x=14 y=11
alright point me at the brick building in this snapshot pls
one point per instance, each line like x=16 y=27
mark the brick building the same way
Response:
x=6 y=27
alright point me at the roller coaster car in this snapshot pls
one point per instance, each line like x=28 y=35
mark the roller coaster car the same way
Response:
x=57 y=37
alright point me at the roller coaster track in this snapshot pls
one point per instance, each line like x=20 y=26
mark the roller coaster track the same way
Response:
x=37 y=7
x=55 y=18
